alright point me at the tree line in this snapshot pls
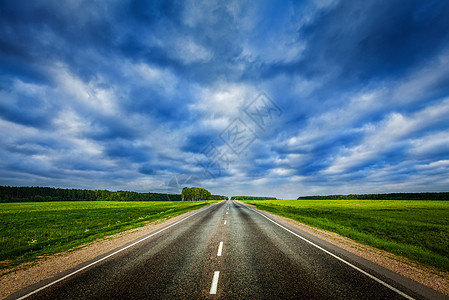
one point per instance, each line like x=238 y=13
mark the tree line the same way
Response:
x=389 y=196
x=45 y=194
x=252 y=198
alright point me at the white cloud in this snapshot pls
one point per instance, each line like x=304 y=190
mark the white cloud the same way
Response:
x=223 y=100
x=425 y=146
x=444 y=163
x=281 y=172
x=331 y=123
x=71 y=89
x=205 y=12
x=29 y=89
x=146 y=75
x=191 y=52
x=396 y=128
x=419 y=84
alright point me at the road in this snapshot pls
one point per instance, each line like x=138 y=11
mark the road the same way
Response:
x=228 y=251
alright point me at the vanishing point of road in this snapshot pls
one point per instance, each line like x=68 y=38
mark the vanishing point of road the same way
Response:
x=228 y=251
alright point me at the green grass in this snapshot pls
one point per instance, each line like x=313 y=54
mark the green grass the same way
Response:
x=29 y=230
x=418 y=230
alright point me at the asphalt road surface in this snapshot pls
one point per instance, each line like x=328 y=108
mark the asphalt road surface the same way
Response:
x=228 y=251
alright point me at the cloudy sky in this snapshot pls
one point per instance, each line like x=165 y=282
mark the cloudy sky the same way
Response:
x=269 y=98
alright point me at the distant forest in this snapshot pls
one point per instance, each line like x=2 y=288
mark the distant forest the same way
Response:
x=252 y=198
x=45 y=194
x=391 y=196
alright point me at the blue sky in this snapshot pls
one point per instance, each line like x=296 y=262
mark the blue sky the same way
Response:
x=275 y=98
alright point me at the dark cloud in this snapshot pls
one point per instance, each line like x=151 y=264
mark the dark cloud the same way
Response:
x=127 y=150
x=369 y=40
x=147 y=170
x=196 y=143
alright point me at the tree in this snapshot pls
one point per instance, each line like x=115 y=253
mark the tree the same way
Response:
x=195 y=193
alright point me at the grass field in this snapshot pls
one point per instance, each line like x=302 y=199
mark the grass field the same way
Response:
x=418 y=230
x=28 y=230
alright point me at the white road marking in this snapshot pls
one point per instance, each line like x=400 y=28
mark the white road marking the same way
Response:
x=335 y=256
x=225 y=222
x=106 y=257
x=220 y=249
x=227 y=212
x=213 y=288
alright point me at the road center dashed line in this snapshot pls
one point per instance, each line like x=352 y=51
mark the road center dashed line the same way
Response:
x=220 y=249
x=213 y=288
x=224 y=222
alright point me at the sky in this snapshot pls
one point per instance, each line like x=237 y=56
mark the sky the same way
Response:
x=264 y=98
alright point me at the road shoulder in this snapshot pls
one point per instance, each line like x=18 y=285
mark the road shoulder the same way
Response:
x=425 y=275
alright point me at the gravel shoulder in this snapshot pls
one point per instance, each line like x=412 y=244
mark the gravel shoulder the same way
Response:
x=425 y=275
x=19 y=277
